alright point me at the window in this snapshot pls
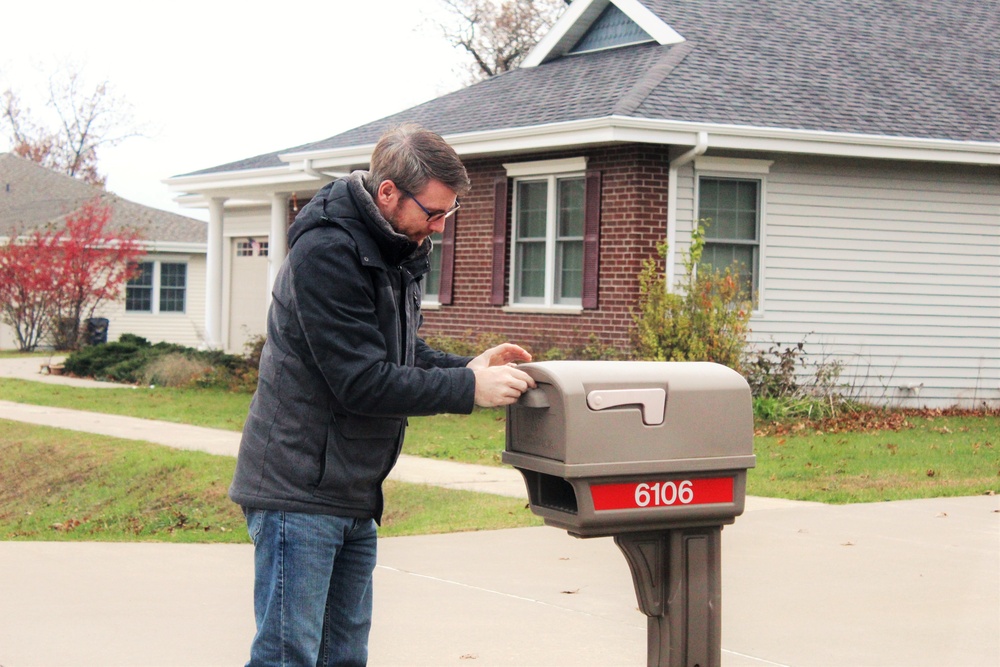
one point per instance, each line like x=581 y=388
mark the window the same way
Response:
x=251 y=248
x=173 y=287
x=554 y=231
x=548 y=241
x=731 y=196
x=139 y=290
x=159 y=287
x=432 y=281
x=731 y=207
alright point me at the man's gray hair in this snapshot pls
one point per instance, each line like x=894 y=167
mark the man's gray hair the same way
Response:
x=411 y=156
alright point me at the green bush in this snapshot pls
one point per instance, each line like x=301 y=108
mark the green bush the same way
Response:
x=471 y=345
x=706 y=318
x=132 y=359
x=772 y=373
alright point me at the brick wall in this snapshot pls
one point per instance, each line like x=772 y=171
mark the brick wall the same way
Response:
x=633 y=221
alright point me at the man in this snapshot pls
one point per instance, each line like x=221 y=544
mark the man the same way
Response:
x=341 y=370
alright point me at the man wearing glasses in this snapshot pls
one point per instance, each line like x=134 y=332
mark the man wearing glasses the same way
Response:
x=342 y=368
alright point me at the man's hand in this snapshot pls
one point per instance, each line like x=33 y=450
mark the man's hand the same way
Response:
x=500 y=385
x=501 y=355
x=498 y=381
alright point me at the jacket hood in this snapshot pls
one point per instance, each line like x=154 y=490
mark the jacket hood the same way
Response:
x=347 y=203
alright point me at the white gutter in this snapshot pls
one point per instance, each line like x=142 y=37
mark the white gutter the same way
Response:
x=701 y=145
x=307 y=167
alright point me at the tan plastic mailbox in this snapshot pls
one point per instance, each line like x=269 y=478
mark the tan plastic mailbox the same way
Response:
x=654 y=454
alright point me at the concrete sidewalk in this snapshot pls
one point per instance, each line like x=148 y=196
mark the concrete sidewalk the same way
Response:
x=902 y=583
x=905 y=583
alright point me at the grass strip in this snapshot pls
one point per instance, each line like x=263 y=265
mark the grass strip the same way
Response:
x=929 y=457
x=68 y=485
x=903 y=458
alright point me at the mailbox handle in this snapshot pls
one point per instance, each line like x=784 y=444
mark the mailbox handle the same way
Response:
x=534 y=398
x=652 y=401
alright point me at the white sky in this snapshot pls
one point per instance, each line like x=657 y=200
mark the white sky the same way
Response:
x=213 y=81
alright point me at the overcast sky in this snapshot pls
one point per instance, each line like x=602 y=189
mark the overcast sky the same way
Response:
x=213 y=81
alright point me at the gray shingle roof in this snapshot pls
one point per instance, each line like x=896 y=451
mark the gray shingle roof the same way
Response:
x=32 y=196
x=902 y=68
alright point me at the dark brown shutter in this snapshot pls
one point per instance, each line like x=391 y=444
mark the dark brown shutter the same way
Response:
x=591 y=237
x=499 y=242
x=447 y=260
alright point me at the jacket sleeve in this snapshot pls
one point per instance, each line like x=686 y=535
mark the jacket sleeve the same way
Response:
x=428 y=357
x=335 y=302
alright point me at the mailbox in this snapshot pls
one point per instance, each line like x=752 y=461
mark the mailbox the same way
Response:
x=654 y=454
x=608 y=447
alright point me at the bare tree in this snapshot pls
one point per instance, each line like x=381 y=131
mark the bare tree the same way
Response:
x=498 y=34
x=83 y=121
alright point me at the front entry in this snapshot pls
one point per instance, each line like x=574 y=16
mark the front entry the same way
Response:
x=248 y=292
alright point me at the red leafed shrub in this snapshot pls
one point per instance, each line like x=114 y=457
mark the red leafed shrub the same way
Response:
x=52 y=279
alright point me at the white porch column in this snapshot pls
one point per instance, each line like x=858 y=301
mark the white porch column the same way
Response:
x=213 y=279
x=278 y=241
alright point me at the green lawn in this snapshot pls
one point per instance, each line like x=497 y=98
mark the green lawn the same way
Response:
x=929 y=457
x=67 y=485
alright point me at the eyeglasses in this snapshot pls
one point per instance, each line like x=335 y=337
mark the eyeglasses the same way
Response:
x=432 y=216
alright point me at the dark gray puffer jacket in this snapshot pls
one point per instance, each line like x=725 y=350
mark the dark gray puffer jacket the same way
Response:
x=343 y=365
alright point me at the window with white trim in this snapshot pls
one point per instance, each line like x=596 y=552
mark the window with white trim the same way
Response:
x=547 y=237
x=731 y=209
x=730 y=200
x=157 y=287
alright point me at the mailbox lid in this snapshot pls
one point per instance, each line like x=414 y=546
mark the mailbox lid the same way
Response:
x=596 y=412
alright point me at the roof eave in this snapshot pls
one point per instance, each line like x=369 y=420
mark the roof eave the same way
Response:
x=256 y=184
x=620 y=129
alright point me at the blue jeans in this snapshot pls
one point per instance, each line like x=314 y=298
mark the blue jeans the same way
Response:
x=312 y=588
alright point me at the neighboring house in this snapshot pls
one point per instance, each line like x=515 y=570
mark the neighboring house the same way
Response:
x=846 y=152
x=166 y=302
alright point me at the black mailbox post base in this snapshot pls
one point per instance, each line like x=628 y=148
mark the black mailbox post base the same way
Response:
x=678 y=583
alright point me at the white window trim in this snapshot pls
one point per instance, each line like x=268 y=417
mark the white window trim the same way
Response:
x=539 y=309
x=732 y=165
x=746 y=169
x=155 y=300
x=546 y=167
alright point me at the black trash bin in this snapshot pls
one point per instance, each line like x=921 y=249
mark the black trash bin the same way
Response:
x=97 y=330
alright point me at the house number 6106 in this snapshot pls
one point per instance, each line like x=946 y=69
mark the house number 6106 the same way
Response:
x=664 y=493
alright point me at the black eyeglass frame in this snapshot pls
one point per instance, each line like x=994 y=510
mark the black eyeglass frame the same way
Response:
x=432 y=216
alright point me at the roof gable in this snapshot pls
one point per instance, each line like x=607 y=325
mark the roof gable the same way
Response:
x=589 y=22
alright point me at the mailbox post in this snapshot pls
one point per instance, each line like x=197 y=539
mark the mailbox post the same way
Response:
x=654 y=454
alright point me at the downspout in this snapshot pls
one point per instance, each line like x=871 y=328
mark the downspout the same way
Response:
x=308 y=168
x=700 y=146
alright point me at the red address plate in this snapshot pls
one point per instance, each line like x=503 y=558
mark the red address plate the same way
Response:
x=662 y=493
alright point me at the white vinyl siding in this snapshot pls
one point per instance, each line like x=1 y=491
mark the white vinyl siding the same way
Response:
x=183 y=328
x=892 y=269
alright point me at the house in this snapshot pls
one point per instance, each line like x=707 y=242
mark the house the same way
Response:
x=166 y=302
x=846 y=153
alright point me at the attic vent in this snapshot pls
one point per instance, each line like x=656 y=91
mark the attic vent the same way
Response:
x=612 y=28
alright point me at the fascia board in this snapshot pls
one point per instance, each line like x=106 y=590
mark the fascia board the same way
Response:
x=256 y=186
x=331 y=158
x=649 y=21
x=237 y=180
x=253 y=182
x=626 y=130
x=175 y=246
